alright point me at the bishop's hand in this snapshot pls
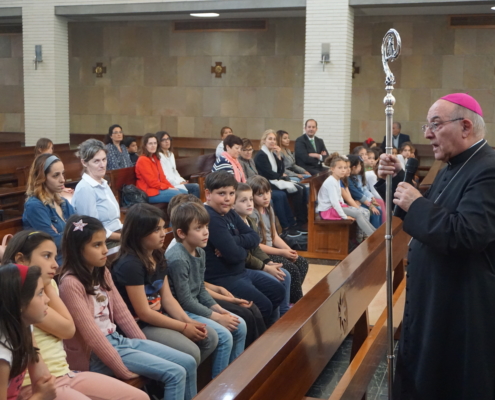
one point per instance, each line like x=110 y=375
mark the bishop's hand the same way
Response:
x=388 y=165
x=405 y=195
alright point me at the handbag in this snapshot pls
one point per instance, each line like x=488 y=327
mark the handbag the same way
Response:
x=132 y=195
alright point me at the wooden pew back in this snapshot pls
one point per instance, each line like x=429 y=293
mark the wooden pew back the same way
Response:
x=284 y=363
x=29 y=149
x=326 y=239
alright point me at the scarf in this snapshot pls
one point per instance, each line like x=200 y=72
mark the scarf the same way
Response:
x=278 y=183
x=236 y=166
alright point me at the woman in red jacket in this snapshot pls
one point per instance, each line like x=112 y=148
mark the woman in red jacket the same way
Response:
x=149 y=173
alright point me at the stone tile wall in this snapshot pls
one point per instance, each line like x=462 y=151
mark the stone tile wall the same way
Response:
x=435 y=60
x=159 y=79
x=11 y=84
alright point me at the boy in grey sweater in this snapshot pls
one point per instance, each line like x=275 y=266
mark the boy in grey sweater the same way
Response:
x=186 y=269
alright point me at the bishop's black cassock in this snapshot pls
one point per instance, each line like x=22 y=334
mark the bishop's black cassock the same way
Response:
x=447 y=345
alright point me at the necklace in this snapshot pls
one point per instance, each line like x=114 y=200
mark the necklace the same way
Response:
x=460 y=169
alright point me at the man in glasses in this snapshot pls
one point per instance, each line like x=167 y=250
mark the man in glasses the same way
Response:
x=447 y=345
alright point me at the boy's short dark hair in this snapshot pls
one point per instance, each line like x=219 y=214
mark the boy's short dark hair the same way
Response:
x=180 y=199
x=242 y=187
x=220 y=179
x=128 y=141
x=183 y=215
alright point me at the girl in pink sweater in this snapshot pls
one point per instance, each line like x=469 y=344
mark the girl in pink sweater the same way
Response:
x=87 y=289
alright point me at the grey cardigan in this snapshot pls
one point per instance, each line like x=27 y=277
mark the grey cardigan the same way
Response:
x=291 y=169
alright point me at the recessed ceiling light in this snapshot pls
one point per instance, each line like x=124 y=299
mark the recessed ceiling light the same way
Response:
x=205 y=15
x=493 y=8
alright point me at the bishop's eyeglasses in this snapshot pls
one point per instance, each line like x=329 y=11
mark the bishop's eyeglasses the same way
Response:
x=433 y=126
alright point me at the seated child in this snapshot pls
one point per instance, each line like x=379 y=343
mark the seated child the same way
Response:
x=186 y=264
x=406 y=151
x=247 y=310
x=88 y=291
x=257 y=258
x=331 y=205
x=227 y=249
x=38 y=249
x=132 y=148
x=22 y=303
x=359 y=192
x=271 y=243
x=140 y=275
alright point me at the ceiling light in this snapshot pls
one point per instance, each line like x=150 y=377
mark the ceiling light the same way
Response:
x=493 y=8
x=205 y=15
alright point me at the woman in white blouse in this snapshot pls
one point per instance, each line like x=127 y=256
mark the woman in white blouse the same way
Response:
x=169 y=167
x=93 y=196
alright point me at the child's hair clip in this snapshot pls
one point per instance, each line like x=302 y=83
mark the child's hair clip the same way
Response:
x=79 y=225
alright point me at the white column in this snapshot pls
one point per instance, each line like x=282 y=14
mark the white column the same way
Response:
x=46 y=90
x=327 y=94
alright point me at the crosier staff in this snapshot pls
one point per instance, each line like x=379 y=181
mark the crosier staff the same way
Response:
x=390 y=51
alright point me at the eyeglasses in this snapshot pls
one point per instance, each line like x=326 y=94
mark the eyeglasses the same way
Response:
x=433 y=127
x=165 y=140
x=247 y=150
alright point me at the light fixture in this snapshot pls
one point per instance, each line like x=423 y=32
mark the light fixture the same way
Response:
x=205 y=15
x=493 y=8
x=38 y=55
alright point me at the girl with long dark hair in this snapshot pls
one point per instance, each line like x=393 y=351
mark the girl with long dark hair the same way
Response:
x=87 y=289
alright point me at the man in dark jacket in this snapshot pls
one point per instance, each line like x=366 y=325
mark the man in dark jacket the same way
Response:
x=447 y=346
x=310 y=150
x=398 y=138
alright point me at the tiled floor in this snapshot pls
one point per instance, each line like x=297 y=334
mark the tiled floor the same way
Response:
x=331 y=374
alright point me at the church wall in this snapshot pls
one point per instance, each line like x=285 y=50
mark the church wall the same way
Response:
x=11 y=84
x=158 y=79
x=435 y=60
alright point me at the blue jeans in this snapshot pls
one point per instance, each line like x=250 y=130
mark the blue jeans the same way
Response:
x=176 y=370
x=258 y=288
x=165 y=195
x=282 y=210
x=230 y=344
x=284 y=306
x=376 y=220
x=192 y=188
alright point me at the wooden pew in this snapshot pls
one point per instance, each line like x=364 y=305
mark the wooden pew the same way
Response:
x=287 y=359
x=6 y=137
x=118 y=178
x=327 y=239
x=29 y=149
x=12 y=226
x=6 y=146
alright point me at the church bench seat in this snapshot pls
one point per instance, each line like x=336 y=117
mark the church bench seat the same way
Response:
x=8 y=151
x=291 y=354
x=327 y=239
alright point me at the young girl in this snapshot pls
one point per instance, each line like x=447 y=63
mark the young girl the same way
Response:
x=140 y=275
x=371 y=179
x=405 y=152
x=22 y=303
x=38 y=248
x=359 y=192
x=257 y=258
x=330 y=202
x=87 y=289
x=271 y=243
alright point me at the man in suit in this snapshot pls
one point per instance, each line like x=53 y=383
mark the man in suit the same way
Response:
x=398 y=139
x=310 y=151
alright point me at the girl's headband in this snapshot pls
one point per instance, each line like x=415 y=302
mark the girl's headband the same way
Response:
x=23 y=270
x=49 y=161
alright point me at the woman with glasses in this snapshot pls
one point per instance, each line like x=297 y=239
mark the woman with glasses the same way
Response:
x=117 y=154
x=167 y=159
